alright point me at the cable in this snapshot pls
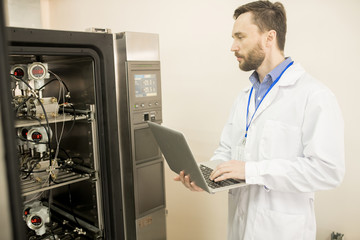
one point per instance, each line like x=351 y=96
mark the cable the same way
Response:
x=50 y=81
x=73 y=163
x=47 y=123
x=68 y=156
x=57 y=77
x=67 y=99
x=73 y=121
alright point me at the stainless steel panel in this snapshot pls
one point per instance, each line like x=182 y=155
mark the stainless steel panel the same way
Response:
x=137 y=58
x=142 y=46
x=152 y=226
x=150 y=189
x=146 y=147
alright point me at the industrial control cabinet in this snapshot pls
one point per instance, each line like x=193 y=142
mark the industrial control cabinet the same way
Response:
x=64 y=170
x=139 y=101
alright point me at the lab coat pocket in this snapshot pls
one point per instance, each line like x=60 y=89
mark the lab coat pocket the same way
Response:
x=280 y=226
x=280 y=140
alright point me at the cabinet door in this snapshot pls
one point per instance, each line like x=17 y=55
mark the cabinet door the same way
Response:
x=11 y=206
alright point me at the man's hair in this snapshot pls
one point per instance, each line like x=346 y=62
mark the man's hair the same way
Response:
x=267 y=16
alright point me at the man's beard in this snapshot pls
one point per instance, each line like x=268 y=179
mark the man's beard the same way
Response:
x=253 y=60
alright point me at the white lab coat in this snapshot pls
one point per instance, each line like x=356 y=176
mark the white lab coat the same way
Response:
x=295 y=146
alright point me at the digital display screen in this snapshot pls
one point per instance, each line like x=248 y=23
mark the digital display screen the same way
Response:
x=37 y=71
x=36 y=220
x=36 y=136
x=18 y=72
x=145 y=85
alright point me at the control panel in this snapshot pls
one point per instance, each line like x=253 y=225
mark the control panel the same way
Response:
x=145 y=91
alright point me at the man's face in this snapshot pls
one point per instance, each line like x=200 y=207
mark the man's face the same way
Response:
x=247 y=44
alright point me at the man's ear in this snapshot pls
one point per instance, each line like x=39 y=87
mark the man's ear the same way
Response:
x=271 y=38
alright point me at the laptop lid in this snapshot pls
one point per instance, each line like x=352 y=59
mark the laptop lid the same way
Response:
x=177 y=153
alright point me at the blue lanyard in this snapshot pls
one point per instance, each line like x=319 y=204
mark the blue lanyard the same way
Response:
x=271 y=86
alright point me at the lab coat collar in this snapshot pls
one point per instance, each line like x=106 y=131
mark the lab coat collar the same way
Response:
x=290 y=76
x=247 y=89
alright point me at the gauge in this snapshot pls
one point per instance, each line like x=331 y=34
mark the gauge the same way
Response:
x=24 y=132
x=27 y=212
x=38 y=71
x=36 y=221
x=18 y=72
x=36 y=136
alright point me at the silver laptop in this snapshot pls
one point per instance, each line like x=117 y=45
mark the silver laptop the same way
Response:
x=179 y=157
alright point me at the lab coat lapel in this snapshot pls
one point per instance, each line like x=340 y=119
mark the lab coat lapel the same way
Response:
x=267 y=101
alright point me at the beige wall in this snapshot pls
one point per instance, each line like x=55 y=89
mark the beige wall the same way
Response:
x=200 y=80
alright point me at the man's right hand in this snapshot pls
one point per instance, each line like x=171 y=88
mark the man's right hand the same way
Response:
x=185 y=179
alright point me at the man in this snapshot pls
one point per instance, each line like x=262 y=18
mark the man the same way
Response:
x=284 y=136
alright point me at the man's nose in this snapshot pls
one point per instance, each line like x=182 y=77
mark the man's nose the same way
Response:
x=234 y=47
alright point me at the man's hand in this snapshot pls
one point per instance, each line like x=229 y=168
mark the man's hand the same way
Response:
x=185 y=179
x=230 y=169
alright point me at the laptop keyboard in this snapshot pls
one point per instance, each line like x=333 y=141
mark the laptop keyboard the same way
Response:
x=206 y=171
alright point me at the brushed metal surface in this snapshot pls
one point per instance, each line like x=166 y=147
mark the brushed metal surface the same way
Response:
x=142 y=46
